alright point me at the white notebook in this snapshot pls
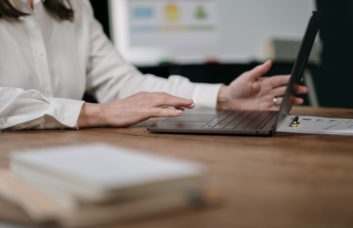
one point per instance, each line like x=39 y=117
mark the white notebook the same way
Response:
x=99 y=172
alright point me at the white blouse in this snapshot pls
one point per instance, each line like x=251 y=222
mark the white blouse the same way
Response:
x=47 y=65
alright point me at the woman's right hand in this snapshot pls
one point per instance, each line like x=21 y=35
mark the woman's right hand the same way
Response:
x=133 y=109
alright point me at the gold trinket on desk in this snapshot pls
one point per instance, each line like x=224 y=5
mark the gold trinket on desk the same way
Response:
x=295 y=122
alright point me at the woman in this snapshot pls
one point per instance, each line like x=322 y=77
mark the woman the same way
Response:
x=52 y=51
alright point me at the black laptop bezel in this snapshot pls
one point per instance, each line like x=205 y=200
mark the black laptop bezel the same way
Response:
x=299 y=66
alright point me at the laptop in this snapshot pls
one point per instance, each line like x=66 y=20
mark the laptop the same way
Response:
x=244 y=122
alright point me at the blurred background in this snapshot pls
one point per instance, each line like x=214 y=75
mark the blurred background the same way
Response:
x=216 y=40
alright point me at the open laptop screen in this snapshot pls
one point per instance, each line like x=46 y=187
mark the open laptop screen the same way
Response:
x=299 y=65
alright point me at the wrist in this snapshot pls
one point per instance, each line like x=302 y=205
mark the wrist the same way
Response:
x=223 y=97
x=91 y=115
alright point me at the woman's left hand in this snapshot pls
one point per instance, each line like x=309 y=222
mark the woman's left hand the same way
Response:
x=250 y=91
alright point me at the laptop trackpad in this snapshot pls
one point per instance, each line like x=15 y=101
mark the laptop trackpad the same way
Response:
x=186 y=121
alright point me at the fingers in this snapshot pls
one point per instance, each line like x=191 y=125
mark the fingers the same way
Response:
x=277 y=101
x=185 y=107
x=277 y=92
x=279 y=85
x=170 y=106
x=142 y=106
x=160 y=104
x=167 y=100
x=301 y=89
x=297 y=100
x=283 y=80
x=279 y=80
x=260 y=70
x=165 y=112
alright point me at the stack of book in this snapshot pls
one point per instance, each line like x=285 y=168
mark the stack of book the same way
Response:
x=99 y=183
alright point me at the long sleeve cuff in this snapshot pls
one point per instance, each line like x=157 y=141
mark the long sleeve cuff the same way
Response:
x=65 y=111
x=205 y=95
x=59 y=113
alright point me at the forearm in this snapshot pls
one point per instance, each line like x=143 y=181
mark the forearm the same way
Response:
x=124 y=81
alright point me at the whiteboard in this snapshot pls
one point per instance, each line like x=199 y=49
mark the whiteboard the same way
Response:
x=234 y=30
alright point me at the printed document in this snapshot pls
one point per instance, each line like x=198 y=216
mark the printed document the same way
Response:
x=317 y=125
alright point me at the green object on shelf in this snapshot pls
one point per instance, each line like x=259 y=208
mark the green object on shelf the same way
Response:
x=201 y=13
x=165 y=62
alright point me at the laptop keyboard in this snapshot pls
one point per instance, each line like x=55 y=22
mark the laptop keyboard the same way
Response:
x=248 y=120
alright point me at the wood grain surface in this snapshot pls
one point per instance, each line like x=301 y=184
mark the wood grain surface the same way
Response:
x=286 y=180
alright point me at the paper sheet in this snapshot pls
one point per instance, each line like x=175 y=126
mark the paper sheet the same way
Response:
x=318 y=125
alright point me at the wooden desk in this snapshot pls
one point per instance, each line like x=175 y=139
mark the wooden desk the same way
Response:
x=286 y=180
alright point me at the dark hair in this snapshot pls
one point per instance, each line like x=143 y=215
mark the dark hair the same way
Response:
x=59 y=9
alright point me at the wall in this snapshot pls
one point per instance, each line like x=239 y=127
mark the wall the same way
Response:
x=245 y=26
